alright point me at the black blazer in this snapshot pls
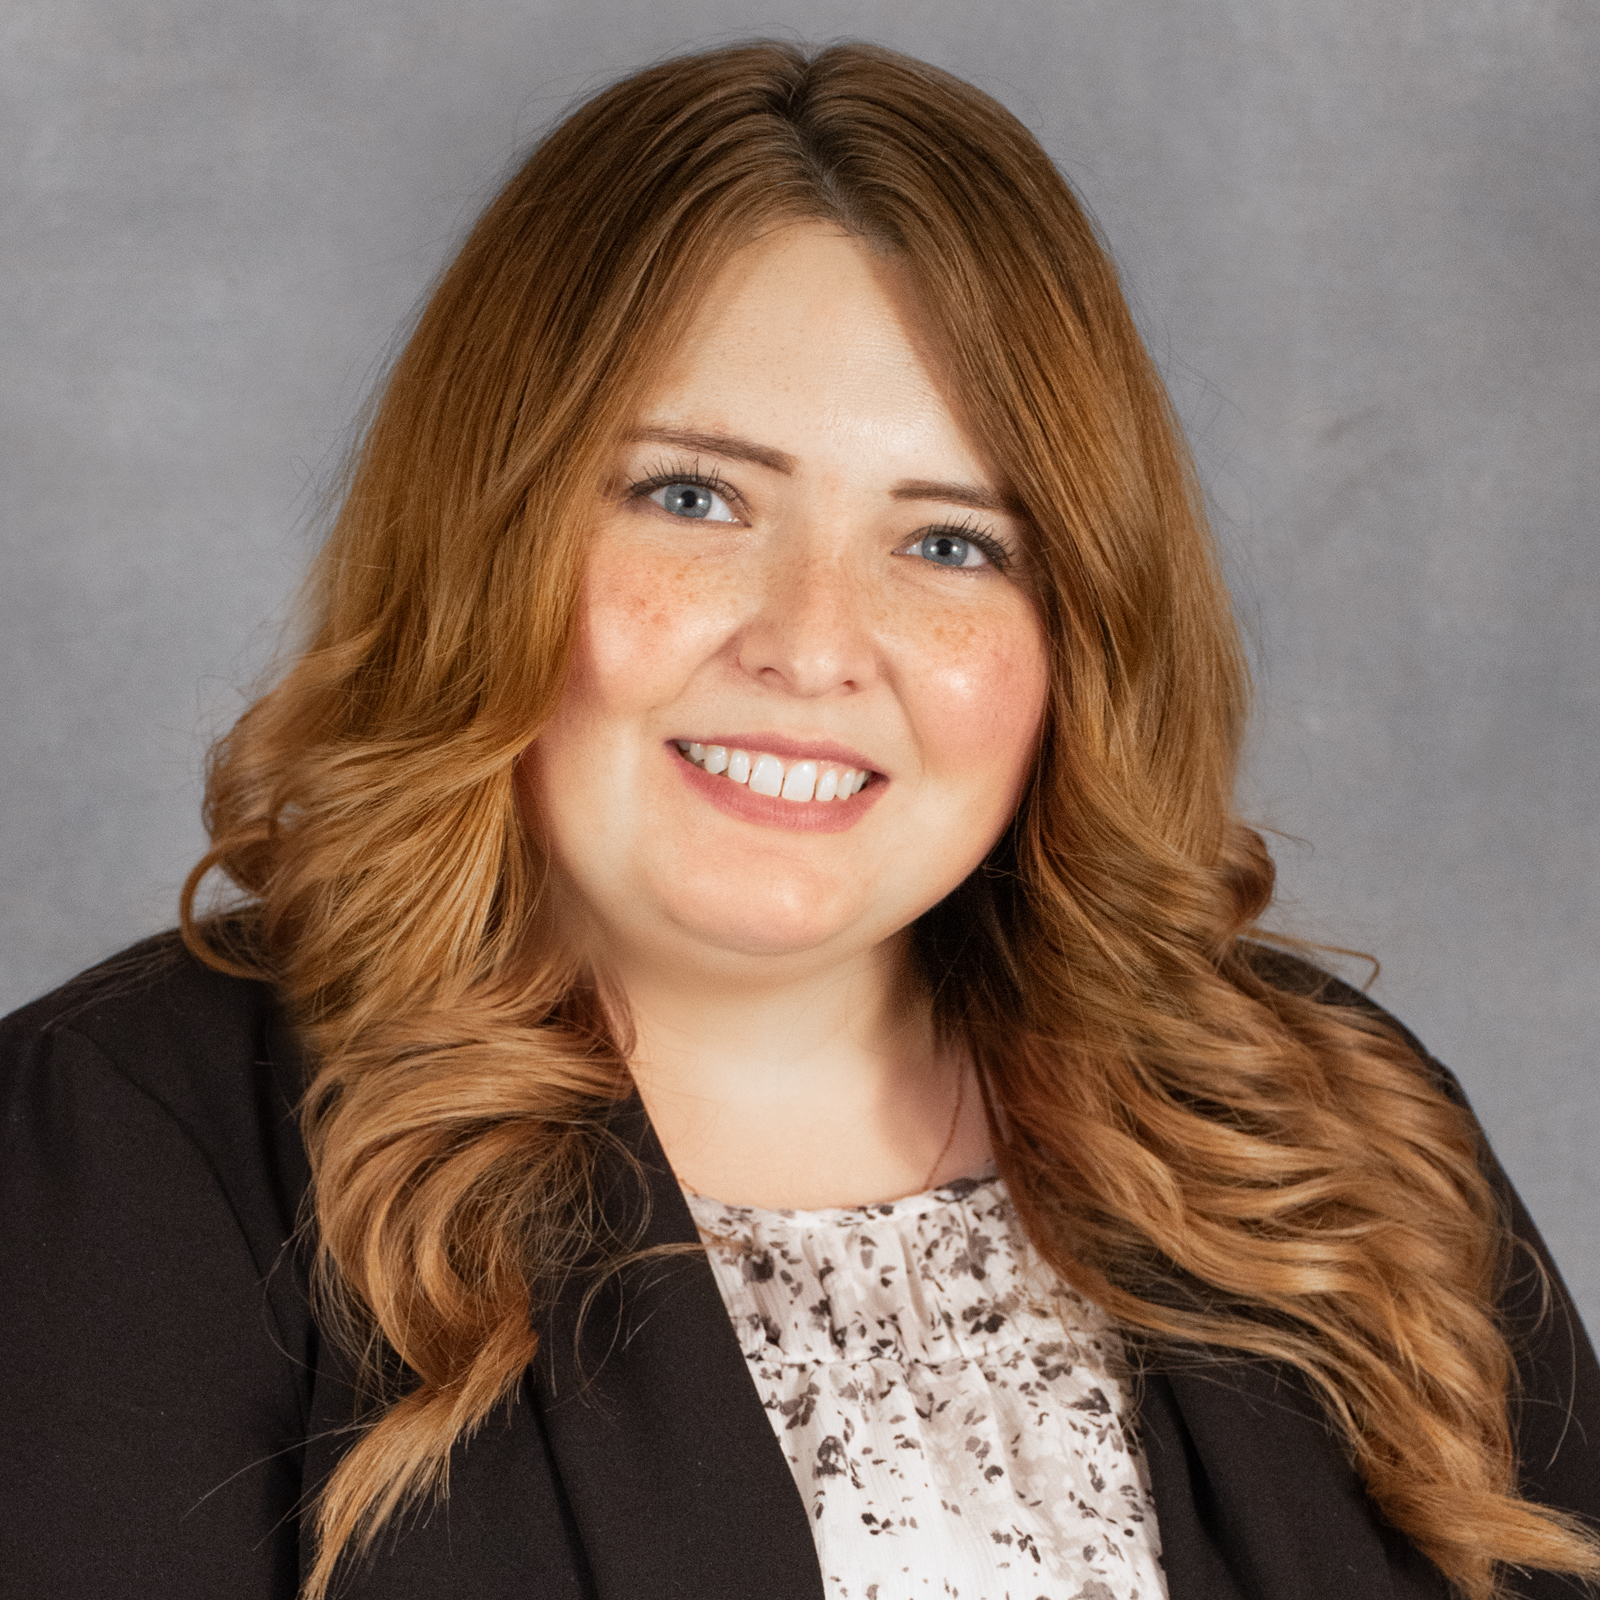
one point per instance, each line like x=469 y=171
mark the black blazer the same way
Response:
x=167 y=1405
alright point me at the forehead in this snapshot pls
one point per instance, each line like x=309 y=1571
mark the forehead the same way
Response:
x=811 y=342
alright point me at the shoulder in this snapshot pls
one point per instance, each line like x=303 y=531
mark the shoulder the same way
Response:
x=1555 y=1400
x=157 y=1348
x=156 y=1036
x=155 y=1010
x=1291 y=973
x=1294 y=974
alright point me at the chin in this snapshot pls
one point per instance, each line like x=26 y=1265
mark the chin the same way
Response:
x=777 y=919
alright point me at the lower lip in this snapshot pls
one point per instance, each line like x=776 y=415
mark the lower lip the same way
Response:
x=797 y=816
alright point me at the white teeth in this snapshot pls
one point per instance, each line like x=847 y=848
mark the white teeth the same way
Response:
x=766 y=774
x=800 y=781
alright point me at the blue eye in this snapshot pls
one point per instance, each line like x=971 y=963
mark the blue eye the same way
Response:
x=692 y=500
x=948 y=550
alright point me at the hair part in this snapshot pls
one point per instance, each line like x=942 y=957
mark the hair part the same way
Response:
x=1163 y=1115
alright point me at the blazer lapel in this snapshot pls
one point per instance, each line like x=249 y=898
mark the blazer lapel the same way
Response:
x=1255 y=1499
x=669 y=1481
x=677 y=1487
x=675 y=1482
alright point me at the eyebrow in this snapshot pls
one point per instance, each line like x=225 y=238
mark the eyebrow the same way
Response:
x=719 y=444
x=736 y=449
x=956 y=494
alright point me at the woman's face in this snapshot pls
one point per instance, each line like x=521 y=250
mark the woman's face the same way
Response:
x=803 y=576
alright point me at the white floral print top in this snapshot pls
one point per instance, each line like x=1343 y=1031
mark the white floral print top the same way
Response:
x=953 y=1417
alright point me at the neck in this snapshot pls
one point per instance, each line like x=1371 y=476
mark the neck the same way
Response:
x=819 y=1088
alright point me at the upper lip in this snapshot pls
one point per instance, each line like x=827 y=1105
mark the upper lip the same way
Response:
x=775 y=744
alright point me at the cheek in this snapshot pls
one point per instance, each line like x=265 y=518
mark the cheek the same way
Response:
x=645 y=625
x=979 y=693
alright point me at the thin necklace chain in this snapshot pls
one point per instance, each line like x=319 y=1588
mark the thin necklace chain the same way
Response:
x=949 y=1138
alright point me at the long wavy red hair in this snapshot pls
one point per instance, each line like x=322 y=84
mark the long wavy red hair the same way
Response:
x=1168 y=1116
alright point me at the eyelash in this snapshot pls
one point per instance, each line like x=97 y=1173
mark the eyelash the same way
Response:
x=973 y=533
x=661 y=475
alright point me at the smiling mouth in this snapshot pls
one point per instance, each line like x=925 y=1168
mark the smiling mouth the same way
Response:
x=762 y=773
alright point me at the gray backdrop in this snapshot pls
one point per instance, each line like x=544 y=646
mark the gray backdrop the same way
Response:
x=1362 y=237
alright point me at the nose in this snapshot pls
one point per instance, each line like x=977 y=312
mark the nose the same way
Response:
x=811 y=633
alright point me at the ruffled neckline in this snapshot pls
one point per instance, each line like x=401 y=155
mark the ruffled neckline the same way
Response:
x=906 y=1207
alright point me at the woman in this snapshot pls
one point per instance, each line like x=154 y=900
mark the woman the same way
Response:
x=741 y=886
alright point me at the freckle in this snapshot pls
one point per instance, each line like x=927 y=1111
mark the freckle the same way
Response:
x=954 y=635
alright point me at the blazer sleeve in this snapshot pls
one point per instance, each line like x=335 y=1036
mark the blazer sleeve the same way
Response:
x=1555 y=1410
x=153 y=1413
x=1555 y=1407
x=1555 y=1415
